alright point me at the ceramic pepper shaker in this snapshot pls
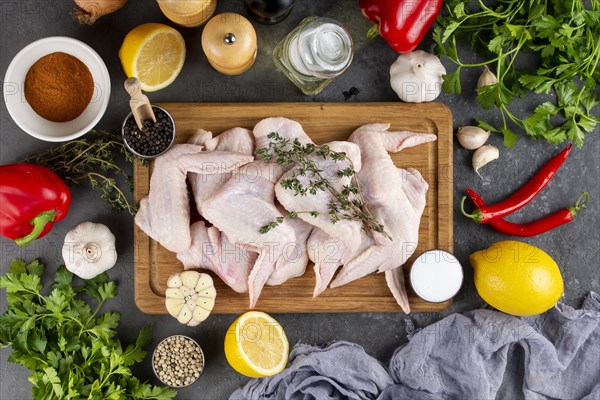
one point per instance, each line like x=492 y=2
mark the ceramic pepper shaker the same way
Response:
x=230 y=44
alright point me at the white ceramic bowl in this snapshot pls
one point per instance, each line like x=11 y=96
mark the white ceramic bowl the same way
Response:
x=22 y=113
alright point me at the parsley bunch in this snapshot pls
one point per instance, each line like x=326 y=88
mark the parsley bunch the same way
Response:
x=71 y=351
x=564 y=35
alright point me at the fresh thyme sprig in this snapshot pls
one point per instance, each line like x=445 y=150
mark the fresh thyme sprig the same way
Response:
x=92 y=159
x=346 y=204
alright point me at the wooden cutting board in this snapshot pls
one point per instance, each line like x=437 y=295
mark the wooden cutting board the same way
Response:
x=324 y=122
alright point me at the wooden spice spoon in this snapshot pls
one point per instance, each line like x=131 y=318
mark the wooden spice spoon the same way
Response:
x=139 y=103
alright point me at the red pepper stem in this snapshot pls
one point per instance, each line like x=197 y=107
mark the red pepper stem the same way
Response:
x=476 y=216
x=580 y=204
x=39 y=222
x=373 y=32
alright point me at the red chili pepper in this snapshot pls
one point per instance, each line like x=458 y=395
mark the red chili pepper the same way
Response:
x=402 y=23
x=524 y=195
x=537 y=227
x=33 y=198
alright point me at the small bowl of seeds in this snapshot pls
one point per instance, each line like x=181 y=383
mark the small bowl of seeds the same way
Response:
x=178 y=361
x=154 y=139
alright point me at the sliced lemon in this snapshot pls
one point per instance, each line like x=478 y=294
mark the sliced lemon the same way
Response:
x=256 y=345
x=154 y=53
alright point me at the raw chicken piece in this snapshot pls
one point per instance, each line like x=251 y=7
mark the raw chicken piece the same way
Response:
x=241 y=207
x=212 y=250
x=238 y=140
x=295 y=255
x=395 y=281
x=397 y=199
x=286 y=128
x=343 y=237
x=325 y=253
x=165 y=215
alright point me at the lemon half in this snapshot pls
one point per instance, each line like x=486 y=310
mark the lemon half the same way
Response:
x=256 y=345
x=154 y=53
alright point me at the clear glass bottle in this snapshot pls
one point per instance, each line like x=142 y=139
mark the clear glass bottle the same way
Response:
x=314 y=53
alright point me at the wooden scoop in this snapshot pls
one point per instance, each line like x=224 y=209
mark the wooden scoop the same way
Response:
x=139 y=103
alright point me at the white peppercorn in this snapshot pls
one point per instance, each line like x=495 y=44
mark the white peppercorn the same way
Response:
x=178 y=361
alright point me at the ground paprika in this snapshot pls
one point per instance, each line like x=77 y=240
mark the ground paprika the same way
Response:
x=59 y=87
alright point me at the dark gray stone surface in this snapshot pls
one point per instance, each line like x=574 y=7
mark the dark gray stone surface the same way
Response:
x=575 y=247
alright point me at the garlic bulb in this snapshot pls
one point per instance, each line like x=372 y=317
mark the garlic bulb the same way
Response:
x=487 y=78
x=417 y=76
x=190 y=297
x=89 y=250
x=483 y=156
x=472 y=137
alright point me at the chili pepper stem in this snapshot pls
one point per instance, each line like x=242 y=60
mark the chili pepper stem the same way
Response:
x=373 y=32
x=39 y=222
x=476 y=216
x=580 y=204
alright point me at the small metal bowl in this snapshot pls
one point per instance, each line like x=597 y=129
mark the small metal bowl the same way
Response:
x=130 y=115
x=185 y=338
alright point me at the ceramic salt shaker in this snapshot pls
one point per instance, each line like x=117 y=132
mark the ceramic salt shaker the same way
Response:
x=230 y=44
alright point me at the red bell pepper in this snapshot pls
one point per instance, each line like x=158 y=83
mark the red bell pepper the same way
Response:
x=402 y=23
x=32 y=199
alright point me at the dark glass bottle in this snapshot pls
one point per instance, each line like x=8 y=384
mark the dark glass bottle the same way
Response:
x=269 y=11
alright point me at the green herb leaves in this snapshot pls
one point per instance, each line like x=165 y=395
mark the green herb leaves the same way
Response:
x=346 y=203
x=70 y=349
x=92 y=160
x=565 y=37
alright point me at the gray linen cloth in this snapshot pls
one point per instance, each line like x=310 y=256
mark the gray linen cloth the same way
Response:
x=466 y=356
x=342 y=370
x=555 y=355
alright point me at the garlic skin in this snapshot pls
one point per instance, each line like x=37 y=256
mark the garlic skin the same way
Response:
x=483 y=156
x=487 y=78
x=472 y=137
x=417 y=76
x=89 y=250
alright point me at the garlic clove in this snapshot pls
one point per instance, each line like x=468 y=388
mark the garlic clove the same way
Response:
x=210 y=292
x=200 y=314
x=89 y=250
x=204 y=282
x=189 y=278
x=472 y=137
x=174 y=306
x=185 y=315
x=206 y=303
x=191 y=303
x=174 y=293
x=487 y=78
x=186 y=291
x=483 y=156
x=174 y=281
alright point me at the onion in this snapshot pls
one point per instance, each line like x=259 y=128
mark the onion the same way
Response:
x=88 y=11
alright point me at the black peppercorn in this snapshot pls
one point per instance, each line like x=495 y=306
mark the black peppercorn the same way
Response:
x=153 y=139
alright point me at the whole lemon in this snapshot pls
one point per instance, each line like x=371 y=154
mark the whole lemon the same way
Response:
x=517 y=278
